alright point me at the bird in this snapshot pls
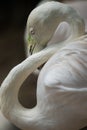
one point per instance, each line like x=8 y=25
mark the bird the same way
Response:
x=62 y=82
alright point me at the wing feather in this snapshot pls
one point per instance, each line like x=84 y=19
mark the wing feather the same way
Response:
x=69 y=67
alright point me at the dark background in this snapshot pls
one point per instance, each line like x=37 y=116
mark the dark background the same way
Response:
x=13 y=17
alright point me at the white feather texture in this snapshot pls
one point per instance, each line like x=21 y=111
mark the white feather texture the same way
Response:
x=62 y=82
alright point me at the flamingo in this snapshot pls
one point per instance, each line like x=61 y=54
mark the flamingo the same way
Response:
x=62 y=82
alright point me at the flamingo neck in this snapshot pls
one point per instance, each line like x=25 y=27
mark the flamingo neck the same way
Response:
x=74 y=20
x=67 y=14
x=10 y=106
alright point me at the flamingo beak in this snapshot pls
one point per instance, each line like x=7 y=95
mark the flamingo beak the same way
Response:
x=31 y=49
x=31 y=44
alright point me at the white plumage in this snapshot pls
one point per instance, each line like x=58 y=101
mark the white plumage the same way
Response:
x=62 y=82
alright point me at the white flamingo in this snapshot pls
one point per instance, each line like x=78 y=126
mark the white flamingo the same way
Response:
x=62 y=82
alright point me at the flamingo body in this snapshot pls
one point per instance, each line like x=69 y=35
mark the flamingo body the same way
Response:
x=62 y=82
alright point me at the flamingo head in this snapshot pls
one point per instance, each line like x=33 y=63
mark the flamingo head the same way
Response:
x=41 y=25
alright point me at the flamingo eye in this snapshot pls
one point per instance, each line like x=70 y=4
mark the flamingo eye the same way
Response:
x=32 y=31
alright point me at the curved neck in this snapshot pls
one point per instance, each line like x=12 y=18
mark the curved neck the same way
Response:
x=77 y=26
x=68 y=14
x=10 y=105
x=74 y=19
